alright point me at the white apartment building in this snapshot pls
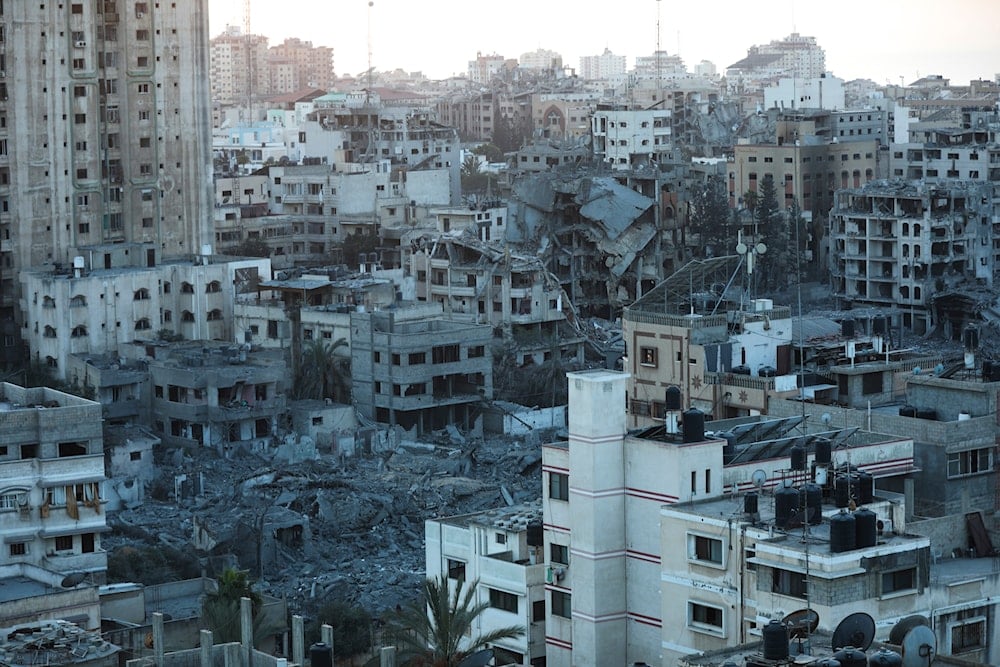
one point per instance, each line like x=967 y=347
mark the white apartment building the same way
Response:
x=605 y=66
x=823 y=92
x=500 y=550
x=624 y=137
x=540 y=59
x=106 y=133
x=52 y=501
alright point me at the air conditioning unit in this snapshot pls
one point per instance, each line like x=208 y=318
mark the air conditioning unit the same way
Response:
x=80 y=43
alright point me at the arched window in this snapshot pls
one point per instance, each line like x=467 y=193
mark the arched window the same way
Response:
x=48 y=302
x=142 y=323
x=214 y=286
x=214 y=314
x=49 y=332
x=141 y=294
x=78 y=301
x=187 y=288
x=187 y=316
x=79 y=331
x=51 y=362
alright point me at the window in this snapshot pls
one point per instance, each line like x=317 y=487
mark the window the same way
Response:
x=558 y=486
x=19 y=549
x=135 y=456
x=898 y=581
x=704 y=617
x=970 y=462
x=559 y=553
x=501 y=538
x=705 y=549
x=561 y=604
x=64 y=543
x=477 y=351
x=417 y=358
x=503 y=600
x=538 y=611
x=456 y=570
x=12 y=500
x=647 y=356
x=968 y=636
x=272 y=328
x=142 y=324
x=785 y=582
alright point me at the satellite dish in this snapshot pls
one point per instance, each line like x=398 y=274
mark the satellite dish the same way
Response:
x=826 y=418
x=741 y=248
x=760 y=249
x=857 y=630
x=801 y=623
x=758 y=478
x=919 y=647
x=73 y=579
x=477 y=659
x=899 y=630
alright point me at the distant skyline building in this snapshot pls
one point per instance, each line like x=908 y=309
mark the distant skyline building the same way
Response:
x=540 y=59
x=236 y=60
x=105 y=138
x=602 y=67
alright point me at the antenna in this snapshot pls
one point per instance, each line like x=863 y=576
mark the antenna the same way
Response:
x=659 y=84
x=368 y=92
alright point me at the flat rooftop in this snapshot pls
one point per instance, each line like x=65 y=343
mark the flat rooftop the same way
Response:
x=20 y=587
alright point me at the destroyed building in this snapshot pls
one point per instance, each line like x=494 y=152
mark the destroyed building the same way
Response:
x=509 y=290
x=922 y=248
x=424 y=373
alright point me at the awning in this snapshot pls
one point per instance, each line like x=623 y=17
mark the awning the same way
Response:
x=73 y=530
x=21 y=536
x=51 y=483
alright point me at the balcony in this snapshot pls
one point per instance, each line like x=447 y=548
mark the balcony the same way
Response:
x=70 y=562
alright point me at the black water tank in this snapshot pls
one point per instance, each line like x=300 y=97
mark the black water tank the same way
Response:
x=865 y=528
x=847 y=328
x=987 y=373
x=798 y=457
x=866 y=488
x=970 y=336
x=536 y=534
x=842 y=490
x=741 y=370
x=767 y=371
x=321 y=655
x=842 y=531
x=926 y=413
x=878 y=325
x=786 y=503
x=851 y=657
x=750 y=503
x=907 y=411
x=824 y=451
x=694 y=425
x=811 y=500
x=775 y=640
x=827 y=662
x=673 y=398
x=885 y=658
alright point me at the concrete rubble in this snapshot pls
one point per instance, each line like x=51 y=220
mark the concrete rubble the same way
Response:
x=349 y=529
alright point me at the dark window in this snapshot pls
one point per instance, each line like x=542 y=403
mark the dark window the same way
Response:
x=561 y=604
x=966 y=637
x=785 y=582
x=64 y=543
x=899 y=580
x=705 y=549
x=503 y=600
x=417 y=358
x=456 y=570
x=477 y=351
x=558 y=486
x=444 y=354
x=18 y=548
x=538 y=611
x=135 y=456
x=703 y=615
x=559 y=553
x=647 y=356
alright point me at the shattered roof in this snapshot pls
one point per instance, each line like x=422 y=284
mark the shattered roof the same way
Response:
x=607 y=201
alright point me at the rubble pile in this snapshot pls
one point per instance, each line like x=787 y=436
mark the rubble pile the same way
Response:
x=349 y=529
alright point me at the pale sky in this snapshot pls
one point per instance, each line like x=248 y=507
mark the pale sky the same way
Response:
x=882 y=40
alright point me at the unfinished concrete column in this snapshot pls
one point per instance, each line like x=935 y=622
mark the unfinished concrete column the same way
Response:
x=326 y=636
x=298 y=640
x=281 y=662
x=387 y=656
x=246 y=624
x=158 y=638
x=206 y=648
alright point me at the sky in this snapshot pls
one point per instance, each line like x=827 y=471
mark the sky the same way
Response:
x=882 y=40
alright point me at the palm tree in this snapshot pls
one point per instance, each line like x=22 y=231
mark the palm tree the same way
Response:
x=436 y=631
x=321 y=372
x=220 y=611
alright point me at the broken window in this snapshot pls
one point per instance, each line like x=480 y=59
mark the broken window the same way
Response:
x=442 y=354
x=647 y=356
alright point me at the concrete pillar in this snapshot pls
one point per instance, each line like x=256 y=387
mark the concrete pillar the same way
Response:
x=206 y=648
x=298 y=640
x=908 y=498
x=387 y=656
x=326 y=635
x=597 y=512
x=246 y=624
x=158 y=638
x=281 y=662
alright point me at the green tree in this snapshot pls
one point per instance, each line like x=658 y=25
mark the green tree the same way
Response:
x=711 y=219
x=356 y=243
x=772 y=230
x=352 y=628
x=322 y=373
x=474 y=179
x=252 y=247
x=220 y=611
x=490 y=151
x=436 y=630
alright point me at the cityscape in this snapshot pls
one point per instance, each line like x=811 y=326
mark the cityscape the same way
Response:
x=593 y=358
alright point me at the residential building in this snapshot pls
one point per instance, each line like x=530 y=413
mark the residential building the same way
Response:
x=52 y=497
x=658 y=66
x=239 y=67
x=501 y=551
x=424 y=373
x=295 y=64
x=698 y=333
x=484 y=69
x=964 y=153
x=118 y=383
x=823 y=92
x=604 y=67
x=663 y=566
x=564 y=115
x=797 y=56
x=623 y=136
x=109 y=140
x=898 y=243
x=540 y=59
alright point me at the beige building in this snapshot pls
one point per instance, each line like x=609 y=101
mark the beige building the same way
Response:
x=239 y=67
x=296 y=65
x=106 y=134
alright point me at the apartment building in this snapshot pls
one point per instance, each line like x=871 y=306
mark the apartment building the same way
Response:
x=745 y=525
x=622 y=136
x=114 y=295
x=296 y=64
x=696 y=332
x=899 y=243
x=797 y=55
x=239 y=67
x=106 y=135
x=501 y=551
x=52 y=498
x=424 y=373
x=603 y=67
x=484 y=69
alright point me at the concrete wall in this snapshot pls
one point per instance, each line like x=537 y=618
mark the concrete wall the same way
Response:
x=519 y=422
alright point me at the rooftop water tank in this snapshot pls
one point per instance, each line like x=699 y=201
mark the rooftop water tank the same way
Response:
x=842 y=532
x=775 y=640
x=865 y=528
